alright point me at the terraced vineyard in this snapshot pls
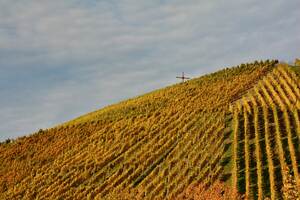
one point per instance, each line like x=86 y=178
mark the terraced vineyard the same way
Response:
x=239 y=125
x=266 y=136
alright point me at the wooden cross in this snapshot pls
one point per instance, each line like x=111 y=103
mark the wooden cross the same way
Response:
x=183 y=77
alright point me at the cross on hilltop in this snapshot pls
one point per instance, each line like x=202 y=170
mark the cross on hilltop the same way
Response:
x=183 y=77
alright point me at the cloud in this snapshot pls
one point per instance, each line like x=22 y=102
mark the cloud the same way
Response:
x=60 y=59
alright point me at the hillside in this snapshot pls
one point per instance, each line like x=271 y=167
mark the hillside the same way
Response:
x=239 y=125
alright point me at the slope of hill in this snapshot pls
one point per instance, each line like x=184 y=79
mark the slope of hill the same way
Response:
x=266 y=135
x=239 y=125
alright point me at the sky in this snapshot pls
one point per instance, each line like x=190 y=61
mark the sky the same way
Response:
x=60 y=59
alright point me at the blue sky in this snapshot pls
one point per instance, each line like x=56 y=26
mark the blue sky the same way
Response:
x=61 y=59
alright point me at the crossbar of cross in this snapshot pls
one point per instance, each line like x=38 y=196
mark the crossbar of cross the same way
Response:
x=183 y=78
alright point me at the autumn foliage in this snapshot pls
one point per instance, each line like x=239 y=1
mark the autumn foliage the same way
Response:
x=217 y=191
x=196 y=191
x=236 y=128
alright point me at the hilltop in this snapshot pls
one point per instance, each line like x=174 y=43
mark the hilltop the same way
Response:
x=239 y=125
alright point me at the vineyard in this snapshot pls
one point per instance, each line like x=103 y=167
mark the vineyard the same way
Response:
x=266 y=136
x=239 y=125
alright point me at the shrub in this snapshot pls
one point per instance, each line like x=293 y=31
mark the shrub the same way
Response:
x=218 y=191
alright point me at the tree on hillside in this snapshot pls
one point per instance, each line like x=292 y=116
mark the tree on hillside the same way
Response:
x=297 y=62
